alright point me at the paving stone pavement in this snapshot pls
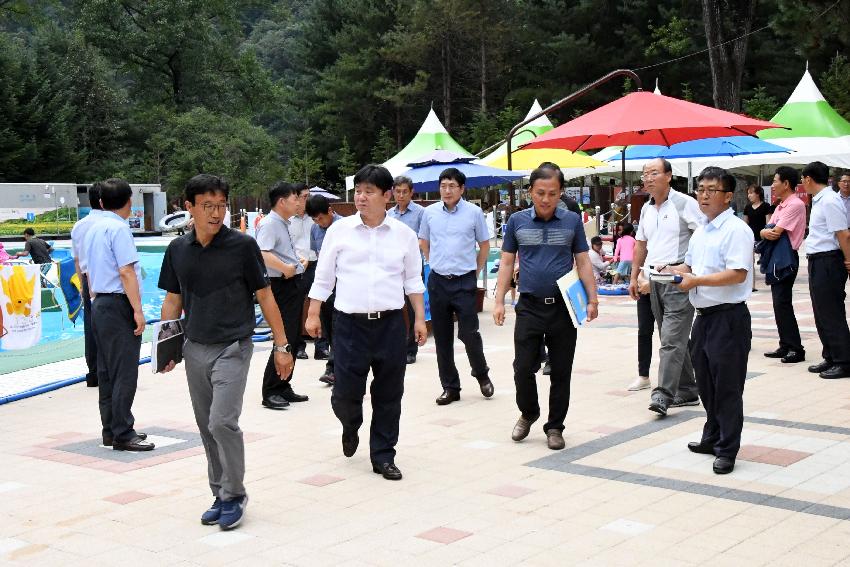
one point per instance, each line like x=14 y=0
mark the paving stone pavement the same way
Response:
x=625 y=491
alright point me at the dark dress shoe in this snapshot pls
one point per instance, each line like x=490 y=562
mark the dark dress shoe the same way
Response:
x=778 y=353
x=486 y=387
x=276 y=402
x=447 y=397
x=794 y=356
x=301 y=354
x=134 y=444
x=107 y=441
x=547 y=369
x=350 y=441
x=328 y=378
x=388 y=470
x=411 y=358
x=723 y=465
x=835 y=371
x=320 y=354
x=701 y=447
x=522 y=428
x=821 y=366
x=291 y=397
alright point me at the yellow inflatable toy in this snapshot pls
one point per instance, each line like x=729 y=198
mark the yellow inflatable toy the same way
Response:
x=20 y=292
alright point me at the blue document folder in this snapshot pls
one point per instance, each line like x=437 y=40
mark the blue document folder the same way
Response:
x=575 y=297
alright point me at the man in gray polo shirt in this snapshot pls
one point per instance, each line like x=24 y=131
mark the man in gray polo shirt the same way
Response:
x=286 y=270
x=667 y=222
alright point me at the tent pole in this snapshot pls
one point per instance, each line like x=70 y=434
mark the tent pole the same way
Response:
x=690 y=179
x=623 y=172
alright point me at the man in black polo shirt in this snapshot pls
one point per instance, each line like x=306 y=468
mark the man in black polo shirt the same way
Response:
x=213 y=273
x=550 y=240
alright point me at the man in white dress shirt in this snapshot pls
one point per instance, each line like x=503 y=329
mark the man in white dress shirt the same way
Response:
x=828 y=251
x=374 y=262
x=717 y=274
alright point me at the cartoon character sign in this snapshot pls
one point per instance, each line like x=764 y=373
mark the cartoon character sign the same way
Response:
x=20 y=302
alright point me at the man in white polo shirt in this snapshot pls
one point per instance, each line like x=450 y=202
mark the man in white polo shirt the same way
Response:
x=667 y=222
x=828 y=251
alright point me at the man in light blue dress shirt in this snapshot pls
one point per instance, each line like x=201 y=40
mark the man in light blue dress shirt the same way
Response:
x=448 y=234
x=718 y=276
x=78 y=237
x=410 y=214
x=112 y=264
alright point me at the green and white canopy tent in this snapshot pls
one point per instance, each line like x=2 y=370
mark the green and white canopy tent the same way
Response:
x=432 y=135
x=816 y=133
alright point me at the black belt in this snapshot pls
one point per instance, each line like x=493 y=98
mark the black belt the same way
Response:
x=541 y=300
x=717 y=308
x=453 y=276
x=372 y=316
x=284 y=279
x=118 y=294
x=825 y=254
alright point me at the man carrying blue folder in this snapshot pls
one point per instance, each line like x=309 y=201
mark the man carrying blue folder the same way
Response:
x=549 y=240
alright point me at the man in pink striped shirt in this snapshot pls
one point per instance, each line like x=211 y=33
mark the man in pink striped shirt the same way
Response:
x=790 y=218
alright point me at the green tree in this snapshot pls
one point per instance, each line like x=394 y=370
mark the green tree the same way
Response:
x=200 y=141
x=761 y=104
x=384 y=147
x=345 y=161
x=304 y=163
x=834 y=85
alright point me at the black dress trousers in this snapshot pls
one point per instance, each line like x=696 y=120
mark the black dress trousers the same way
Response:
x=449 y=297
x=646 y=328
x=88 y=331
x=827 y=277
x=378 y=345
x=287 y=295
x=326 y=316
x=720 y=344
x=117 y=364
x=783 y=312
x=539 y=322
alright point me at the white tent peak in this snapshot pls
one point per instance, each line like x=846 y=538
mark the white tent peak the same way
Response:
x=540 y=121
x=806 y=90
x=432 y=125
x=657 y=90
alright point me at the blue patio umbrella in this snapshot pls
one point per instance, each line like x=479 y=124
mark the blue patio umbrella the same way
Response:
x=706 y=147
x=426 y=177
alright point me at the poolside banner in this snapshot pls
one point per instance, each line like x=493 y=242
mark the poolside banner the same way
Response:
x=20 y=301
x=69 y=281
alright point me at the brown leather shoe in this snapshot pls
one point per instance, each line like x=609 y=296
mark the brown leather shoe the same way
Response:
x=555 y=440
x=486 y=387
x=522 y=428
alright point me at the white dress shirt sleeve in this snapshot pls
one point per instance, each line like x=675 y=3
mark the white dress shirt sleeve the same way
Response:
x=739 y=255
x=424 y=230
x=834 y=214
x=481 y=233
x=412 y=266
x=324 y=280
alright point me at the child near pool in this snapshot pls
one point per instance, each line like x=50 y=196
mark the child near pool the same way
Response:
x=624 y=253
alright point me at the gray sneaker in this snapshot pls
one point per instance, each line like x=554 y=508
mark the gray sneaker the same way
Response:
x=679 y=401
x=658 y=404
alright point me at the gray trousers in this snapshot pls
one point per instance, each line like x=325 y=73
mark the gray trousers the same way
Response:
x=675 y=315
x=217 y=374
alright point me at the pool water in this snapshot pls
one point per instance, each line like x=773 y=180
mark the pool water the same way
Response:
x=55 y=325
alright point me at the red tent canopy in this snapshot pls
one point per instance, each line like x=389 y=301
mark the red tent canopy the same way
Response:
x=644 y=118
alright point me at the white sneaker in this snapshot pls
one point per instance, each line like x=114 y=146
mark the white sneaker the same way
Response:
x=640 y=383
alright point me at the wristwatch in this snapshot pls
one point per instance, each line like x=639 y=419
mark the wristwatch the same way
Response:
x=283 y=348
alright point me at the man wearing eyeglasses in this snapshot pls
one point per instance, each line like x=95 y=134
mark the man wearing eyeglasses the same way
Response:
x=844 y=193
x=717 y=275
x=286 y=270
x=213 y=273
x=667 y=222
x=448 y=234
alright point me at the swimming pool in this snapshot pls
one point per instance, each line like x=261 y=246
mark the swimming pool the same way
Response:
x=55 y=325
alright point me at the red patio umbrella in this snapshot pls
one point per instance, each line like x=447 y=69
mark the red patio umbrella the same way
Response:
x=644 y=118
